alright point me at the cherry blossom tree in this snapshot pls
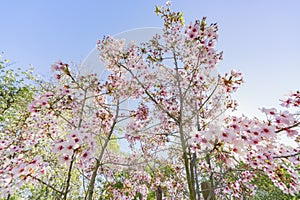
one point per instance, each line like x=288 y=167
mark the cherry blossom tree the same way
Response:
x=183 y=102
x=183 y=141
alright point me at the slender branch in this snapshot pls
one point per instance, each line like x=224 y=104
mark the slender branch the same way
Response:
x=196 y=175
x=192 y=194
x=118 y=138
x=98 y=160
x=289 y=127
x=48 y=185
x=149 y=95
x=58 y=113
x=125 y=164
x=211 y=193
x=69 y=177
x=194 y=72
x=206 y=100
x=82 y=109
x=287 y=156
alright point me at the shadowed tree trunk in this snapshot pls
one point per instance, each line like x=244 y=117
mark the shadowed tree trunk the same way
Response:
x=159 y=193
x=207 y=192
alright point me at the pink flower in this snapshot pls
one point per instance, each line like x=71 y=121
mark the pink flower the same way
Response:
x=58 y=147
x=64 y=159
x=271 y=111
x=31 y=107
x=69 y=148
x=48 y=94
x=54 y=67
x=267 y=130
x=86 y=155
x=291 y=133
x=75 y=137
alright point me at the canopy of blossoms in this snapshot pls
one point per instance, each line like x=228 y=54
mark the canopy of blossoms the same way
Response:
x=183 y=143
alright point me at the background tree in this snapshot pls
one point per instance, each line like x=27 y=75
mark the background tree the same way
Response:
x=15 y=94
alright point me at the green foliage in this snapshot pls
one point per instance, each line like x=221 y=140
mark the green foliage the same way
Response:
x=267 y=190
x=16 y=92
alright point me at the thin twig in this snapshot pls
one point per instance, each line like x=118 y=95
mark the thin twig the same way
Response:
x=48 y=185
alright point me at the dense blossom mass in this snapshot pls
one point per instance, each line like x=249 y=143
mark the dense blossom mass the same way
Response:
x=183 y=142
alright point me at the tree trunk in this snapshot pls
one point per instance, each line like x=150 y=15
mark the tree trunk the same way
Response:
x=159 y=193
x=207 y=192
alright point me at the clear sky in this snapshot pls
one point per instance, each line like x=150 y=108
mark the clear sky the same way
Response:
x=259 y=37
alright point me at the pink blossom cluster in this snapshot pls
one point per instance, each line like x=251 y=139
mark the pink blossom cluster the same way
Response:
x=17 y=168
x=41 y=101
x=283 y=121
x=292 y=101
x=78 y=143
x=254 y=143
x=60 y=68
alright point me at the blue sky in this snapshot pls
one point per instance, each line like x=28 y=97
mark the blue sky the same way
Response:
x=259 y=38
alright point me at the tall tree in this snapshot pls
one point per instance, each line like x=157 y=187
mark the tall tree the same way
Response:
x=183 y=143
